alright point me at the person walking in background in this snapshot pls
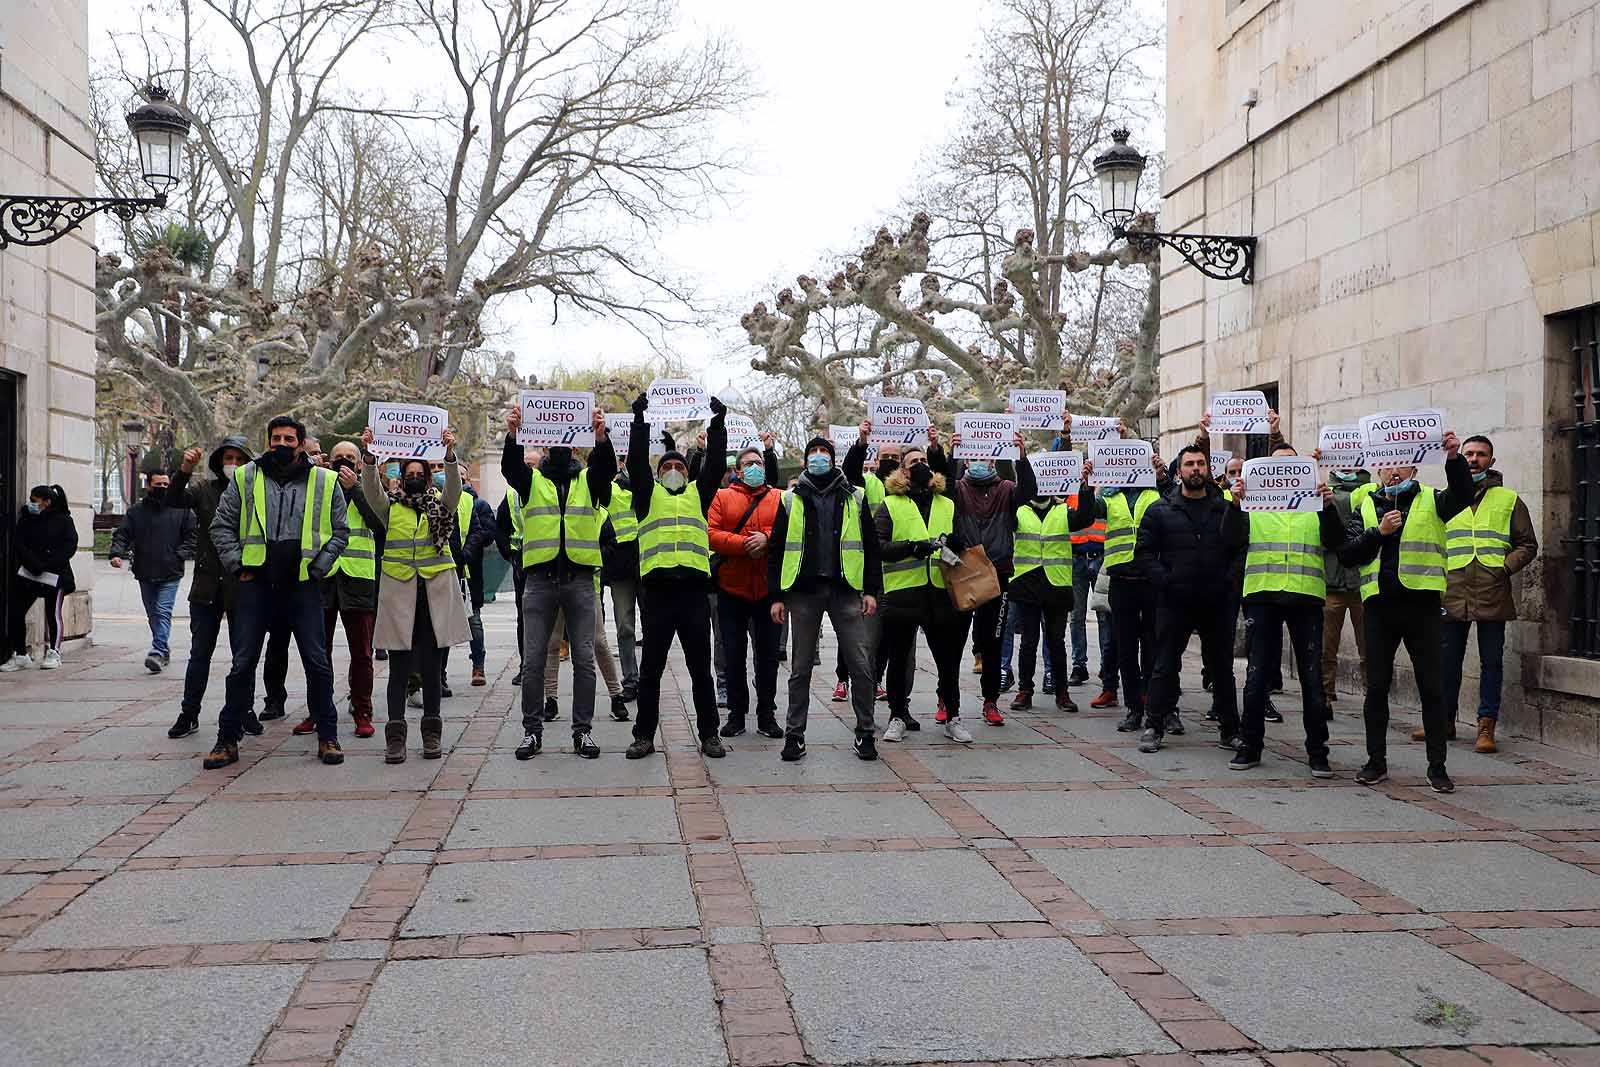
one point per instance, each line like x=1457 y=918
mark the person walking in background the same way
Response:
x=158 y=539
x=43 y=543
x=739 y=526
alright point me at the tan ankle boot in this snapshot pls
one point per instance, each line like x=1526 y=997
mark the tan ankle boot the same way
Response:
x=1485 y=742
x=1420 y=734
x=394 y=740
x=432 y=729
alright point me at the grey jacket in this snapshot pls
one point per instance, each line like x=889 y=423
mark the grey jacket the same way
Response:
x=285 y=515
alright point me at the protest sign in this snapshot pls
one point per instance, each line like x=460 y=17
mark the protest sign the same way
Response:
x=620 y=429
x=985 y=436
x=1343 y=448
x=1284 y=483
x=1123 y=463
x=1058 y=473
x=1219 y=463
x=1403 y=438
x=1244 y=411
x=742 y=432
x=407 y=431
x=845 y=437
x=1038 y=409
x=553 y=417
x=676 y=401
x=897 y=421
x=1090 y=428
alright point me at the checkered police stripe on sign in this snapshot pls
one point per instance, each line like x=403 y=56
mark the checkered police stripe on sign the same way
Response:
x=1295 y=499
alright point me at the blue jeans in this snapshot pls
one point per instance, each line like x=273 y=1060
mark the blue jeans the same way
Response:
x=260 y=606
x=1008 y=635
x=475 y=624
x=158 y=598
x=1491 y=655
x=1085 y=570
x=205 y=623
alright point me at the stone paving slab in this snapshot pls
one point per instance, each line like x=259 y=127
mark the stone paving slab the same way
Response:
x=611 y=736
x=1184 y=883
x=1570 y=954
x=307 y=743
x=359 y=773
x=16 y=738
x=563 y=894
x=59 y=833
x=633 y=1009
x=564 y=821
x=256 y=827
x=925 y=1002
x=557 y=768
x=82 y=778
x=1314 y=991
x=1410 y=760
x=828 y=816
x=189 y=1017
x=1083 y=813
x=1027 y=765
x=1199 y=757
x=120 y=740
x=748 y=765
x=1469 y=875
x=1535 y=807
x=1097 y=726
x=205 y=906
x=882 y=887
x=1295 y=810
x=13 y=886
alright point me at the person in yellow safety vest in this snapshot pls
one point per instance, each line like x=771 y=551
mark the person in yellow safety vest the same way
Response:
x=508 y=540
x=474 y=528
x=279 y=526
x=1043 y=560
x=1343 y=583
x=1485 y=544
x=675 y=574
x=563 y=507
x=823 y=560
x=1088 y=554
x=1397 y=538
x=1284 y=585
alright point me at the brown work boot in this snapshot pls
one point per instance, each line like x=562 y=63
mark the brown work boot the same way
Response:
x=329 y=752
x=478 y=678
x=1106 y=699
x=432 y=729
x=1064 y=702
x=1023 y=700
x=1485 y=742
x=222 y=754
x=1421 y=733
x=394 y=741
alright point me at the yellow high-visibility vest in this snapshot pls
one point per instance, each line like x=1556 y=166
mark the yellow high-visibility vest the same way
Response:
x=852 y=559
x=1482 y=533
x=1421 y=564
x=909 y=573
x=1045 y=542
x=315 y=531
x=544 y=523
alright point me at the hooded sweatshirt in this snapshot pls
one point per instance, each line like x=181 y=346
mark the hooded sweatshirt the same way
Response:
x=45 y=543
x=211 y=584
x=986 y=512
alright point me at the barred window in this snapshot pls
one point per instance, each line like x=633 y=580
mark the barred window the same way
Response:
x=1583 y=328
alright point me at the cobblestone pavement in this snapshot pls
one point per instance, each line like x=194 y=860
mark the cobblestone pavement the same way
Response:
x=1047 y=894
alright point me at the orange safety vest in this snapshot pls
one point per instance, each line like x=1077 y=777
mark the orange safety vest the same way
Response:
x=1095 y=534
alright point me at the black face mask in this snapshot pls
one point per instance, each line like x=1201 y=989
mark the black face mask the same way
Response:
x=560 y=457
x=921 y=475
x=415 y=484
x=156 y=494
x=344 y=463
x=283 y=455
x=887 y=467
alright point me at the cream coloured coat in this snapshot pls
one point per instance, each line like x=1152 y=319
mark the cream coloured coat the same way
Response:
x=397 y=600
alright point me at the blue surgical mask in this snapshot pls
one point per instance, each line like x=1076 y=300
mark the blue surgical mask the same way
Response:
x=1345 y=477
x=438 y=479
x=391 y=470
x=979 y=471
x=34 y=507
x=755 y=476
x=818 y=463
x=1108 y=491
x=1480 y=476
x=1400 y=487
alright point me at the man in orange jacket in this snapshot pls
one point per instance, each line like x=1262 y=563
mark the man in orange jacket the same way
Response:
x=739 y=525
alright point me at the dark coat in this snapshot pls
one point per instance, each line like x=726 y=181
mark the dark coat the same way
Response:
x=157 y=539
x=1184 y=547
x=45 y=544
x=211 y=584
x=1362 y=545
x=872 y=573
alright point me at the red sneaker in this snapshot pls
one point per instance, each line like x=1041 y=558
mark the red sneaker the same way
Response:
x=364 y=725
x=841 y=692
x=883 y=694
x=941 y=715
x=1106 y=699
x=306 y=726
x=991 y=714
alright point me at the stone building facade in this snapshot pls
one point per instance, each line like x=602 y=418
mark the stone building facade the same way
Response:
x=1424 y=179
x=47 y=355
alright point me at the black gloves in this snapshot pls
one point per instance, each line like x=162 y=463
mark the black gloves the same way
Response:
x=954 y=542
x=641 y=405
x=922 y=549
x=717 y=407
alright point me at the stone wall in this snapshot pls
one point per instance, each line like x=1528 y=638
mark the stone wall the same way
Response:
x=1423 y=177
x=46 y=293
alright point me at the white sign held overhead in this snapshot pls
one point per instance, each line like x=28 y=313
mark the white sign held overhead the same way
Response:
x=620 y=429
x=986 y=436
x=897 y=420
x=1038 y=409
x=1284 y=483
x=407 y=431
x=742 y=432
x=676 y=401
x=1091 y=428
x=1058 y=473
x=556 y=417
x=1244 y=411
x=845 y=437
x=1403 y=438
x=1122 y=463
x=1344 y=448
x=1219 y=463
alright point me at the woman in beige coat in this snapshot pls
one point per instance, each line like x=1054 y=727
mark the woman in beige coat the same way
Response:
x=417 y=616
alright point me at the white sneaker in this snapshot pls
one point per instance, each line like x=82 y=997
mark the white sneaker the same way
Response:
x=18 y=662
x=414 y=700
x=896 y=730
x=957 y=733
x=52 y=660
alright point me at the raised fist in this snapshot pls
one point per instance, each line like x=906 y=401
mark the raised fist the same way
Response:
x=641 y=404
x=717 y=407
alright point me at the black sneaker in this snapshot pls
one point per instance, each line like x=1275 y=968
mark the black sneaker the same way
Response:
x=1373 y=773
x=1150 y=741
x=1320 y=768
x=516 y=679
x=1078 y=676
x=1272 y=714
x=251 y=725
x=640 y=749
x=1439 y=781
x=444 y=689
x=531 y=744
x=380 y=654
x=271 y=710
x=711 y=747
x=222 y=754
x=1049 y=686
x=769 y=728
x=733 y=727
x=1212 y=716
x=1174 y=725
x=1229 y=742
x=619 y=709
x=1130 y=722
x=583 y=744
x=186 y=725
x=629 y=694
x=794 y=750
x=552 y=710
x=1008 y=679
x=152 y=663
x=1244 y=761
x=866 y=747
x=912 y=725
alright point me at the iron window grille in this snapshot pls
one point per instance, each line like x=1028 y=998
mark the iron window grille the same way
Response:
x=1584 y=543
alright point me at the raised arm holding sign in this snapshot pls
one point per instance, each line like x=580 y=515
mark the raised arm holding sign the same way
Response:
x=1038 y=409
x=1244 y=411
x=555 y=417
x=407 y=431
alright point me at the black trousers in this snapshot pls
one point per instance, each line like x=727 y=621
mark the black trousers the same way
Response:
x=945 y=641
x=1133 y=620
x=675 y=609
x=1178 y=618
x=1055 y=618
x=516 y=582
x=749 y=623
x=1263 y=629
x=986 y=623
x=422 y=658
x=1413 y=621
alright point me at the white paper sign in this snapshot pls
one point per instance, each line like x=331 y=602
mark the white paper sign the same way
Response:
x=407 y=431
x=620 y=429
x=1219 y=463
x=1244 y=411
x=897 y=420
x=676 y=401
x=1403 y=438
x=986 y=436
x=742 y=432
x=1091 y=428
x=1058 y=473
x=1344 y=448
x=1038 y=409
x=1125 y=463
x=553 y=417
x=1287 y=483
x=844 y=439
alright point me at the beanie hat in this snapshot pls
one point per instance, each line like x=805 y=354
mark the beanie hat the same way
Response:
x=672 y=454
x=820 y=442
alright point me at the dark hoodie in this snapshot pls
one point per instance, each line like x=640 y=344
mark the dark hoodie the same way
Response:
x=820 y=564
x=45 y=544
x=211 y=584
x=986 y=512
x=1362 y=545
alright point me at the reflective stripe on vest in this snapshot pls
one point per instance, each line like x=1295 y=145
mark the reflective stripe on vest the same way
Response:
x=1043 y=543
x=1421 y=563
x=359 y=558
x=514 y=509
x=464 y=504
x=1122 y=525
x=408 y=548
x=673 y=534
x=852 y=558
x=1091 y=535
x=1482 y=533
x=1285 y=554
x=911 y=572
x=876 y=493
x=544 y=523
x=624 y=520
x=316 y=529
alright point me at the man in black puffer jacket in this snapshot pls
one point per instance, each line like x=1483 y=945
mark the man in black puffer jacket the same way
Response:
x=158 y=538
x=1187 y=554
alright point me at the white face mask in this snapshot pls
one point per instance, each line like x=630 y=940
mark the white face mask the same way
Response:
x=672 y=481
x=228 y=469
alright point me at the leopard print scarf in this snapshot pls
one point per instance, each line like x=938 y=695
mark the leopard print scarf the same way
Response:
x=429 y=504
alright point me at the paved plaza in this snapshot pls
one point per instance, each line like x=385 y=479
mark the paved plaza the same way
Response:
x=1046 y=895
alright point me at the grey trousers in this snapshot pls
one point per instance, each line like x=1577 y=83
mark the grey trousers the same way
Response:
x=624 y=596
x=843 y=608
x=542 y=599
